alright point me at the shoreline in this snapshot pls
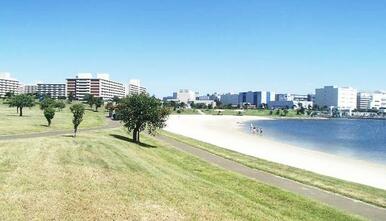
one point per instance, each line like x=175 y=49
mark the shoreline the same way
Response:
x=227 y=132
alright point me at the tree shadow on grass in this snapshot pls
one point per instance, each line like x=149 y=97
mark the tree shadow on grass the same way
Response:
x=127 y=139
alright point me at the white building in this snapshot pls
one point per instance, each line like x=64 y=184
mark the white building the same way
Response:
x=229 y=99
x=134 y=87
x=343 y=98
x=375 y=100
x=206 y=102
x=101 y=86
x=8 y=84
x=185 y=96
x=52 y=90
x=291 y=101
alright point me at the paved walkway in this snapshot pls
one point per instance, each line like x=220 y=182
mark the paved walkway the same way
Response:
x=200 y=112
x=110 y=124
x=334 y=200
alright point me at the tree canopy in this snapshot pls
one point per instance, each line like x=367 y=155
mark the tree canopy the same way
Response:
x=140 y=112
x=78 y=112
x=49 y=114
x=20 y=101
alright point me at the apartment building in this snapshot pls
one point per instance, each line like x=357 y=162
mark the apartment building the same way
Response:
x=8 y=84
x=100 y=86
x=28 y=89
x=52 y=90
x=343 y=98
x=134 y=87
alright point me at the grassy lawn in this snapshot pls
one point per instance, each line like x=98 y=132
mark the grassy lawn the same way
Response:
x=33 y=120
x=186 y=112
x=353 y=190
x=102 y=176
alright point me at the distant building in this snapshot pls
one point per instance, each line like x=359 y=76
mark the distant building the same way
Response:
x=134 y=87
x=375 y=100
x=101 y=86
x=257 y=99
x=185 y=96
x=51 y=90
x=364 y=100
x=28 y=89
x=230 y=99
x=206 y=102
x=343 y=98
x=290 y=101
x=8 y=84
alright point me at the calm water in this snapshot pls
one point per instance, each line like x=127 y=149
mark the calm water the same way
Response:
x=361 y=139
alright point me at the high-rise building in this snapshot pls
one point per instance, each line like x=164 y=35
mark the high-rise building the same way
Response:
x=51 y=90
x=230 y=99
x=8 y=84
x=343 y=98
x=134 y=87
x=256 y=98
x=101 y=86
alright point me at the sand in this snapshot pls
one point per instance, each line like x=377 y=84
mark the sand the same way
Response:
x=227 y=132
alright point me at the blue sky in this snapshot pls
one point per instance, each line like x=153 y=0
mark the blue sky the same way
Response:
x=205 y=45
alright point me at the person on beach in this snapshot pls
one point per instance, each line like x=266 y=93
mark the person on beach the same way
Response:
x=261 y=131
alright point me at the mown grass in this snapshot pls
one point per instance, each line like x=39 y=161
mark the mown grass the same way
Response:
x=364 y=193
x=185 y=112
x=102 y=176
x=33 y=120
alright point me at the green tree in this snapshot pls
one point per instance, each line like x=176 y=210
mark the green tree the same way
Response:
x=71 y=97
x=21 y=101
x=78 y=112
x=140 y=112
x=46 y=102
x=60 y=105
x=98 y=101
x=49 y=114
x=285 y=112
x=116 y=100
x=89 y=99
x=9 y=94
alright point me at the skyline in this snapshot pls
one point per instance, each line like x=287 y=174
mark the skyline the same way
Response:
x=217 y=46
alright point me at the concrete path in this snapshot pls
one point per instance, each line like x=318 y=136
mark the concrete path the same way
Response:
x=110 y=124
x=334 y=200
x=200 y=112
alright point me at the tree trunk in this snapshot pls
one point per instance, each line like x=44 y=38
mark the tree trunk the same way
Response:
x=21 y=111
x=138 y=140
x=75 y=131
x=135 y=136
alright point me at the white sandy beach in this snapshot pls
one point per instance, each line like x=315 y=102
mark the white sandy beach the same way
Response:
x=226 y=132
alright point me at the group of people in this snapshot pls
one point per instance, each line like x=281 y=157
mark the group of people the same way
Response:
x=256 y=130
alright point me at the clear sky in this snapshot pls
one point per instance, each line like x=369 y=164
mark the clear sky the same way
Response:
x=205 y=45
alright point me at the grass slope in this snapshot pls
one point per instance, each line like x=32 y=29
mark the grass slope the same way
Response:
x=102 y=176
x=33 y=120
x=353 y=190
